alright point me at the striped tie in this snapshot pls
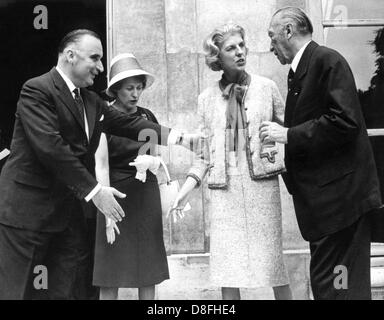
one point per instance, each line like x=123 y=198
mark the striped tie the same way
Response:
x=79 y=103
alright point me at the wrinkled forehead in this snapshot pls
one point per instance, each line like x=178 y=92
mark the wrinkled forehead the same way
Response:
x=275 y=24
x=280 y=20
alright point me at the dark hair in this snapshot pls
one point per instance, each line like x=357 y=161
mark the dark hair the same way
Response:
x=73 y=37
x=117 y=86
x=298 y=16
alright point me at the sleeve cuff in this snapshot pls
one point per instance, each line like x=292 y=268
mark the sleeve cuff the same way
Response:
x=174 y=137
x=4 y=154
x=93 y=192
x=198 y=180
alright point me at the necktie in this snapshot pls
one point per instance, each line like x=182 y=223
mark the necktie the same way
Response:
x=291 y=74
x=79 y=103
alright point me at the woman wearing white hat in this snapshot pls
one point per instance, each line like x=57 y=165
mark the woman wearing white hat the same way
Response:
x=137 y=257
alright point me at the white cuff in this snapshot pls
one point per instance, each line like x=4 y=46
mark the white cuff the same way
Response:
x=4 y=154
x=173 y=137
x=156 y=166
x=93 y=192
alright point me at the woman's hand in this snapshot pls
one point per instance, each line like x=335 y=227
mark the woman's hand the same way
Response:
x=146 y=162
x=143 y=163
x=110 y=231
x=180 y=206
x=194 y=141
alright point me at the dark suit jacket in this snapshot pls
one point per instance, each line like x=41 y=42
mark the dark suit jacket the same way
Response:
x=331 y=171
x=51 y=159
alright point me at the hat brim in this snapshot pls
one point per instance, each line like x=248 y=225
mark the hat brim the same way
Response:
x=128 y=74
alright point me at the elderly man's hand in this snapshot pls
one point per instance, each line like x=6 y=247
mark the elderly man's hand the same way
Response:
x=271 y=131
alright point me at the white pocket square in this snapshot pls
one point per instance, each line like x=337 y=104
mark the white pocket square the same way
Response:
x=101 y=118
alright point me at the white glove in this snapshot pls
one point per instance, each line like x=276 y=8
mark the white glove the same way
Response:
x=110 y=230
x=143 y=163
x=142 y=176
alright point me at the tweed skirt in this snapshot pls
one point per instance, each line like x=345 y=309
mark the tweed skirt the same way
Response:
x=246 y=232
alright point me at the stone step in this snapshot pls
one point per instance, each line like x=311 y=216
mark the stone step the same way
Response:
x=189 y=280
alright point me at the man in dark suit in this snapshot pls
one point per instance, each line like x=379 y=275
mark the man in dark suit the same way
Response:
x=331 y=172
x=49 y=180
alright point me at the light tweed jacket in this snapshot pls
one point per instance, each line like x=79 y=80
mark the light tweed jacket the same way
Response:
x=263 y=102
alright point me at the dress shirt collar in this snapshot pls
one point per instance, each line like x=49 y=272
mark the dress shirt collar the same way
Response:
x=297 y=58
x=68 y=81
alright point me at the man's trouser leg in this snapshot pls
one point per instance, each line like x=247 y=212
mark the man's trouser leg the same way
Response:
x=340 y=264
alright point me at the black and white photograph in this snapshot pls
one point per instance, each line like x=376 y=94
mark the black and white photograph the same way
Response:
x=192 y=150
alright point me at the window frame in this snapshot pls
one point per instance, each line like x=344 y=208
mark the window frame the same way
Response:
x=318 y=6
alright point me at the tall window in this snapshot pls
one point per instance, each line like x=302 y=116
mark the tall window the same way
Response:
x=356 y=29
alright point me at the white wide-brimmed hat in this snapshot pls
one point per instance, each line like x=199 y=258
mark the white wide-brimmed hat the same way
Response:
x=124 y=66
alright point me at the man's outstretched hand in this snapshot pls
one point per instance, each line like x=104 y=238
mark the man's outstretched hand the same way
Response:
x=105 y=201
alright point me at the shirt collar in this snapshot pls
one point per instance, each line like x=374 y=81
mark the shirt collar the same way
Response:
x=297 y=58
x=68 y=81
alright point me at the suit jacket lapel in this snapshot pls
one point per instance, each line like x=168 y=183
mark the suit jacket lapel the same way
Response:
x=302 y=68
x=66 y=96
x=301 y=71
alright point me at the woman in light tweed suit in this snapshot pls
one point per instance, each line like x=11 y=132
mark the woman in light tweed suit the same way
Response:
x=245 y=208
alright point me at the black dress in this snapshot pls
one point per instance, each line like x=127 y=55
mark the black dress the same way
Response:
x=137 y=258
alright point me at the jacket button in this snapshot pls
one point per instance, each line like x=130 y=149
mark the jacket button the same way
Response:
x=85 y=143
